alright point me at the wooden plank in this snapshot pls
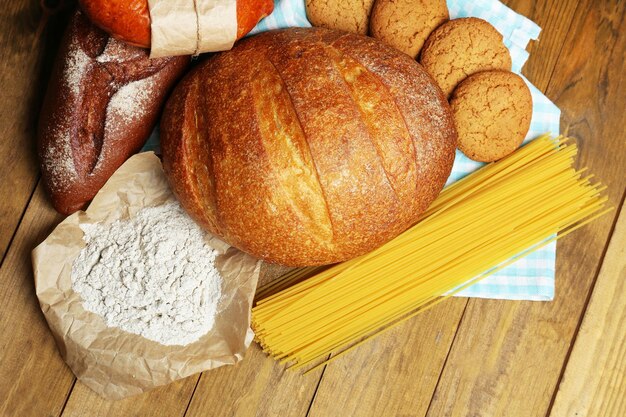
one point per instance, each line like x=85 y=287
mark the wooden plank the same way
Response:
x=257 y=386
x=218 y=390
x=34 y=380
x=394 y=374
x=594 y=383
x=170 y=401
x=24 y=65
x=554 y=17
x=508 y=356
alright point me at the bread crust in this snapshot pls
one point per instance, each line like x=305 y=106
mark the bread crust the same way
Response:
x=307 y=146
x=101 y=105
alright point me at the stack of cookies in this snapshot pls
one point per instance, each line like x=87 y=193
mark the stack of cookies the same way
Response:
x=466 y=57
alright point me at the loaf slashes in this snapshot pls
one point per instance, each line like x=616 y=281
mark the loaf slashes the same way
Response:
x=102 y=102
x=307 y=146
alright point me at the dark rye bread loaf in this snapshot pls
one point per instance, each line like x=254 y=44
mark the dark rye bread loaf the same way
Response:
x=307 y=146
x=103 y=101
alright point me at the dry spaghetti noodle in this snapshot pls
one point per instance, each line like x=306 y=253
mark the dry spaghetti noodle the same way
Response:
x=481 y=223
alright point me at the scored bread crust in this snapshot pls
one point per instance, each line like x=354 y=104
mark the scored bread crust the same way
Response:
x=102 y=102
x=307 y=146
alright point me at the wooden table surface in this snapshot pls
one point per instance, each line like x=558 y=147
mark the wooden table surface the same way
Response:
x=466 y=357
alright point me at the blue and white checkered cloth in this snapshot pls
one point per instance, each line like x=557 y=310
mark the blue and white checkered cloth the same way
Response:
x=531 y=277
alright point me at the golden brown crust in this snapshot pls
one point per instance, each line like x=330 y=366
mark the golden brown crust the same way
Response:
x=101 y=105
x=421 y=104
x=323 y=147
x=406 y=24
x=126 y=20
x=347 y=15
x=462 y=47
x=492 y=112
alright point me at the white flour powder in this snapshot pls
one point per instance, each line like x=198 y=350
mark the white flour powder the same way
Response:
x=152 y=275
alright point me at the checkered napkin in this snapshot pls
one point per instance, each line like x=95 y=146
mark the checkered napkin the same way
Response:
x=530 y=277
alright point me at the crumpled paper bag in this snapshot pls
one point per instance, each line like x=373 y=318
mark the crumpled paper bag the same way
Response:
x=110 y=361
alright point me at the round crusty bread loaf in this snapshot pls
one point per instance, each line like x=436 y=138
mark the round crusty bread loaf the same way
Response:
x=307 y=146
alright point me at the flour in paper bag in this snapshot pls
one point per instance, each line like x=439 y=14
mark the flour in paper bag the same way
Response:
x=151 y=275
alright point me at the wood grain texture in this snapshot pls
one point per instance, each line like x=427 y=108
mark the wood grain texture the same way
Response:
x=555 y=18
x=394 y=374
x=505 y=357
x=508 y=356
x=34 y=380
x=594 y=383
x=258 y=386
x=24 y=66
x=170 y=400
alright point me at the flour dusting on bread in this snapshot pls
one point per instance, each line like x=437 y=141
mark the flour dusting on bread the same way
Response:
x=75 y=67
x=116 y=50
x=129 y=102
x=58 y=161
x=103 y=101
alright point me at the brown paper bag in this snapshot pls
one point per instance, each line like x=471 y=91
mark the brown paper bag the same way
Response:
x=191 y=27
x=112 y=362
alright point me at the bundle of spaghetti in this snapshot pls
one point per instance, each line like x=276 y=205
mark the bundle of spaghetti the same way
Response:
x=287 y=280
x=476 y=227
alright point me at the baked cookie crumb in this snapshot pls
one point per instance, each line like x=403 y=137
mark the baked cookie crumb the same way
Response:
x=406 y=24
x=492 y=112
x=347 y=15
x=462 y=47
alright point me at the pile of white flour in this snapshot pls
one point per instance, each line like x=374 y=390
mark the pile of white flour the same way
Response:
x=152 y=275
